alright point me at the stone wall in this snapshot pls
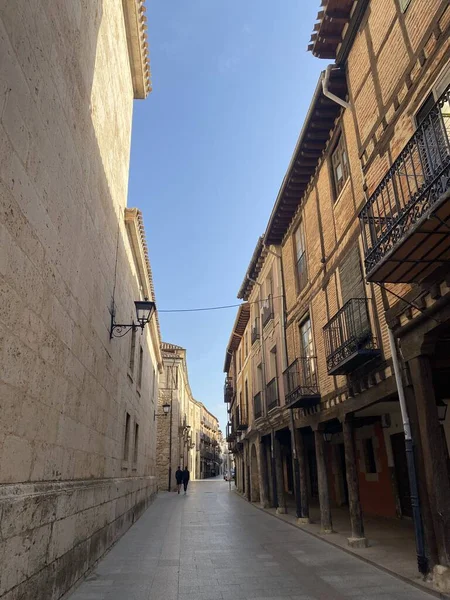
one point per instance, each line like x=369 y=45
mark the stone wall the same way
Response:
x=68 y=485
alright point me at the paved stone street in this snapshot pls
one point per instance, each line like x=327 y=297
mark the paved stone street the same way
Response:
x=212 y=545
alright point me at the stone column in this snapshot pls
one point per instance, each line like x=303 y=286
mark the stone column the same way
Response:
x=263 y=474
x=303 y=477
x=434 y=454
x=357 y=540
x=322 y=479
x=281 y=507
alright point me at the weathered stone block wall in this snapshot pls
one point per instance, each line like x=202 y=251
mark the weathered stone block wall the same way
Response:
x=68 y=487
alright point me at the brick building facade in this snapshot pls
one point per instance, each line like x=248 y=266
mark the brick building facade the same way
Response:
x=358 y=241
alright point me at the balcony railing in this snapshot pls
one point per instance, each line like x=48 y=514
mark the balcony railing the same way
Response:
x=349 y=342
x=228 y=389
x=401 y=242
x=301 y=383
x=230 y=432
x=255 y=331
x=272 y=394
x=267 y=312
x=257 y=405
x=241 y=418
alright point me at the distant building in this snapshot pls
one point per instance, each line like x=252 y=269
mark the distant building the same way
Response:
x=186 y=429
x=77 y=432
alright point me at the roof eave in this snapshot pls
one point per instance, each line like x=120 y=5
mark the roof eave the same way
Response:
x=138 y=51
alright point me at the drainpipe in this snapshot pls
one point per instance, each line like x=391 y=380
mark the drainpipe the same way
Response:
x=272 y=435
x=298 y=501
x=325 y=81
x=422 y=560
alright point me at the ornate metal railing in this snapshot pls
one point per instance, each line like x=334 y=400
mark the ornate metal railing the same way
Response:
x=255 y=331
x=416 y=180
x=272 y=398
x=267 y=312
x=300 y=379
x=257 y=405
x=348 y=332
x=228 y=389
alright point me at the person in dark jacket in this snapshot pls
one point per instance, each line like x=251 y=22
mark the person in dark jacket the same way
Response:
x=179 y=478
x=186 y=476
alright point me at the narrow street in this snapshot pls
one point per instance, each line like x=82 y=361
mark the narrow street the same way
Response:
x=212 y=545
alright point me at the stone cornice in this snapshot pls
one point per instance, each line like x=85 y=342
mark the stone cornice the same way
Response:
x=136 y=27
x=136 y=232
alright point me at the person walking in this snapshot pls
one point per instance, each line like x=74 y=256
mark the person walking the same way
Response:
x=186 y=477
x=179 y=478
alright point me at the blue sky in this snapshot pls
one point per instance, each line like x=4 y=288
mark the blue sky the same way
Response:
x=232 y=82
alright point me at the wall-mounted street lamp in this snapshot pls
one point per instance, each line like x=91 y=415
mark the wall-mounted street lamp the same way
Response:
x=327 y=435
x=144 y=312
x=442 y=410
x=165 y=412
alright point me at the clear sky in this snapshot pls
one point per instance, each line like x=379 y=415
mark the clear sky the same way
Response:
x=232 y=82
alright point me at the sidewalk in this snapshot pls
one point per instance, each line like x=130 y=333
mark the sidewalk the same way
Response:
x=212 y=545
x=391 y=541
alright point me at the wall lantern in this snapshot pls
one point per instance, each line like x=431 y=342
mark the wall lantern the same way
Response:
x=327 y=435
x=442 y=410
x=165 y=412
x=144 y=312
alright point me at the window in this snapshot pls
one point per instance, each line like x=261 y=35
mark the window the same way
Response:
x=273 y=362
x=369 y=456
x=339 y=163
x=141 y=360
x=246 y=398
x=307 y=350
x=136 y=442
x=132 y=351
x=404 y=5
x=259 y=377
x=126 y=439
x=300 y=257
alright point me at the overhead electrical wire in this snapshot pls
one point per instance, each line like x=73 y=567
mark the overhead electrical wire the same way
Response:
x=207 y=308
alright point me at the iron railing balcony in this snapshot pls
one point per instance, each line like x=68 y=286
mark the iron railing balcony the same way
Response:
x=228 y=389
x=241 y=418
x=267 y=311
x=230 y=434
x=301 y=383
x=272 y=396
x=405 y=223
x=255 y=331
x=257 y=405
x=349 y=342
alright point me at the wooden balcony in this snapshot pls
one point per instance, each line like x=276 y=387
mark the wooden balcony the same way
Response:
x=301 y=383
x=406 y=222
x=349 y=342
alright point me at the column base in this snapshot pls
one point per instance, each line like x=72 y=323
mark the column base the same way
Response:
x=303 y=520
x=441 y=578
x=358 y=542
x=326 y=531
x=281 y=510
